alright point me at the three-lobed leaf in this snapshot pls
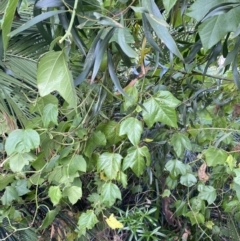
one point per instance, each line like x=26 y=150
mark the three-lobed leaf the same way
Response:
x=111 y=131
x=110 y=192
x=180 y=142
x=21 y=186
x=215 y=156
x=87 y=220
x=73 y=193
x=110 y=163
x=19 y=160
x=133 y=128
x=176 y=167
x=208 y=193
x=161 y=107
x=22 y=141
x=9 y=195
x=137 y=159
x=188 y=180
x=96 y=139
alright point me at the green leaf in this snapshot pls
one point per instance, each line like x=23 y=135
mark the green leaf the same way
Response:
x=215 y=28
x=237 y=178
x=77 y=163
x=36 y=179
x=188 y=180
x=67 y=178
x=123 y=178
x=43 y=101
x=74 y=163
x=180 y=142
x=96 y=139
x=22 y=141
x=113 y=75
x=171 y=183
x=127 y=34
x=181 y=207
x=106 y=21
x=159 y=26
x=215 y=156
x=124 y=46
x=166 y=193
x=197 y=204
x=204 y=5
x=110 y=192
x=73 y=193
x=195 y=217
x=7 y=21
x=9 y=195
x=56 y=174
x=236 y=187
x=55 y=194
x=110 y=163
x=5 y=179
x=133 y=128
x=230 y=205
x=168 y=4
x=87 y=220
x=50 y=114
x=21 y=187
x=176 y=168
x=231 y=162
x=53 y=74
x=50 y=216
x=160 y=107
x=35 y=20
x=19 y=160
x=137 y=159
x=111 y=131
x=131 y=99
x=208 y=193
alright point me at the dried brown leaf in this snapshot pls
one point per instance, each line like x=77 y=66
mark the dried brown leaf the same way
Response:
x=202 y=175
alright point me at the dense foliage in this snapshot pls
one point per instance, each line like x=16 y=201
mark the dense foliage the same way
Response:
x=119 y=120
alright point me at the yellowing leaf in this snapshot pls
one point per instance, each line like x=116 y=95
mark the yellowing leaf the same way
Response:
x=148 y=140
x=103 y=177
x=209 y=224
x=231 y=162
x=113 y=223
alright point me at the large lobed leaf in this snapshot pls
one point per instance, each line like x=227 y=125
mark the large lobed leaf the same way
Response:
x=137 y=159
x=133 y=128
x=161 y=107
x=53 y=74
x=21 y=141
x=110 y=163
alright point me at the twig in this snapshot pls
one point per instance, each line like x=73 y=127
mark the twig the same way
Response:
x=134 y=81
x=123 y=11
x=208 y=75
x=68 y=32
